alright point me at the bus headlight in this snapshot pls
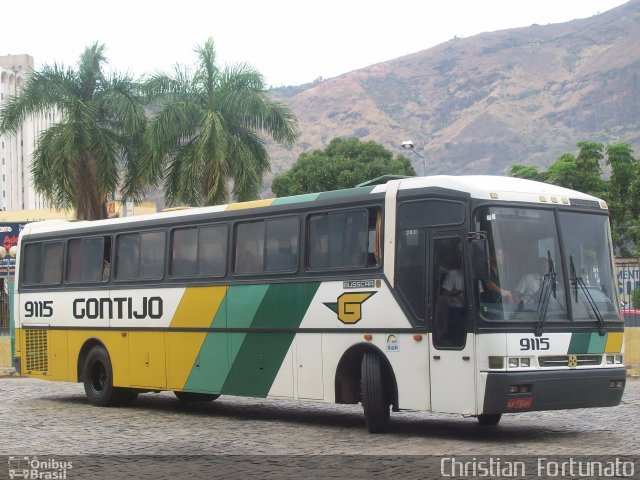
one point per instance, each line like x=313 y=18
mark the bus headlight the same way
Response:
x=610 y=360
x=496 y=362
x=618 y=358
x=525 y=362
x=514 y=362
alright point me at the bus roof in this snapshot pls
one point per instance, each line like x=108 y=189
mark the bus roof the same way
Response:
x=495 y=188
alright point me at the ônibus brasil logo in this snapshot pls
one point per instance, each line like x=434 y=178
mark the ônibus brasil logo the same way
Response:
x=34 y=468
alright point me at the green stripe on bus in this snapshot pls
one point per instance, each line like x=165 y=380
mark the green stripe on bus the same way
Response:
x=579 y=343
x=351 y=192
x=261 y=354
x=219 y=350
x=596 y=343
x=307 y=197
x=591 y=342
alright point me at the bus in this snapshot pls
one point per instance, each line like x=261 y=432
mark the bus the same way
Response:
x=473 y=295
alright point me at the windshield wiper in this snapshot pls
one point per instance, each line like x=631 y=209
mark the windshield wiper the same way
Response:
x=578 y=282
x=548 y=287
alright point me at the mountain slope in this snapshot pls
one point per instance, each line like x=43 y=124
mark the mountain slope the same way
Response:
x=480 y=104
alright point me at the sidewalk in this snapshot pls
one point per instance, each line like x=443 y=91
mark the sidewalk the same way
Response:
x=8 y=372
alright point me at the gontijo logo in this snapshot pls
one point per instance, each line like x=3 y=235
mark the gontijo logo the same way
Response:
x=349 y=306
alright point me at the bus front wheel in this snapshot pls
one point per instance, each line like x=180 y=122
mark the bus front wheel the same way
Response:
x=489 y=419
x=374 y=396
x=98 y=381
x=195 y=397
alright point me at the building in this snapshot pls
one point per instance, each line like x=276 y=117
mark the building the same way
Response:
x=16 y=150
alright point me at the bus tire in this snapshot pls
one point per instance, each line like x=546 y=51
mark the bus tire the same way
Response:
x=489 y=419
x=98 y=381
x=195 y=397
x=374 y=396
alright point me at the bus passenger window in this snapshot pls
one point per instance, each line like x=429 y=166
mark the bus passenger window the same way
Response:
x=85 y=259
x=127 y=256
x=344 y=239
x=282 y=245
x=212 y=250
x=318 y=241
x=184 y=252
x=52 y=263
x=249 y=255
x=152 y=255
x=32 y=263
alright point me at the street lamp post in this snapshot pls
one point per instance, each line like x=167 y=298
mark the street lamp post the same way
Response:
x=408 y=145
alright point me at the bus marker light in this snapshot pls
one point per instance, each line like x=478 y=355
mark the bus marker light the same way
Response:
x=368 y=337
x=494 y=195
x=124 y=334
x=417 y=338
x=543 y=198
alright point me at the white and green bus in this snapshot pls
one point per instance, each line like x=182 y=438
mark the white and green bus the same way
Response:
x=474 y=295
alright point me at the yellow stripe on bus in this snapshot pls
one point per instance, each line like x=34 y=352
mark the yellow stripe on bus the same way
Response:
x=197 y=309
x=614 y=342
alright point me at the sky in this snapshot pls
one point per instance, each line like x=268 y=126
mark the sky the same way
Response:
x=290 y=42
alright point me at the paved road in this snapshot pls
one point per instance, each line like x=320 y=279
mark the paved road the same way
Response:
x=47 y=418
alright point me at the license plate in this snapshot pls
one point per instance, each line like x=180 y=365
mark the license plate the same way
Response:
x=519 y=403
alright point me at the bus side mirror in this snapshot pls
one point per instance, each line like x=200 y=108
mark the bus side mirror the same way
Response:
x=480 y=258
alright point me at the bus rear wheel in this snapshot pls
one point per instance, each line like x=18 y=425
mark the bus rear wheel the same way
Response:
x=374 y=396
x=489 y=419
x=98 y=381
x=196 y=397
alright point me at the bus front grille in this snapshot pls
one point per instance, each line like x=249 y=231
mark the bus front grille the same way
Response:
x=37 y=351
x=566 y=361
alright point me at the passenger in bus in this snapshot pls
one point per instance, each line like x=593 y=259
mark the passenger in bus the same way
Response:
x=530 y=285
x=492 y=292
x=453 y=290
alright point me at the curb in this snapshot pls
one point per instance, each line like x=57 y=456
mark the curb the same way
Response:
x=8 y=372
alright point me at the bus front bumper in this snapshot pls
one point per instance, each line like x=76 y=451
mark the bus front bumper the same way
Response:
x=510 y=392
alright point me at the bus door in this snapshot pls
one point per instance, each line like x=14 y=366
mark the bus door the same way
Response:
x=452 y=352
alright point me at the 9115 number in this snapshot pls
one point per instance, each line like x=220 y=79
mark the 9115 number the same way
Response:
x=541 y=343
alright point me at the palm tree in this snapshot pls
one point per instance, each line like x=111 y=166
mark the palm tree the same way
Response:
x=207 y=131
x=77 y=162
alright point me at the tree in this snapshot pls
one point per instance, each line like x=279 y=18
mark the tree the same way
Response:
x=206 y=131
x=78 y=162
x=343 y=164
x=583 y=172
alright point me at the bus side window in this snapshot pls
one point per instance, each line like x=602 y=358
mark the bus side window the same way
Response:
x=212 y=250
x=344 y=239
x=184 y=252
x=249 y=254
x=152 y=255
x=85 y=259
x=281 y=245
x=127 y=256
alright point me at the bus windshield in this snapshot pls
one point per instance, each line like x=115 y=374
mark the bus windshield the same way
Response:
x=527 y=274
